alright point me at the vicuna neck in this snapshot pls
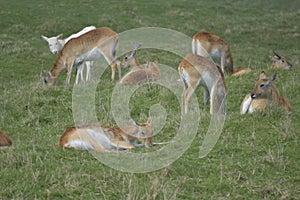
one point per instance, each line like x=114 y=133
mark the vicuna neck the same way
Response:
x=277 y=99
x=58 y=67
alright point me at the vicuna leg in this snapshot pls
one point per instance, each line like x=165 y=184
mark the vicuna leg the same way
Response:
x=187 y=93
x=205 y=97
x=80 y=68
x=69 y=73
x=88 y=64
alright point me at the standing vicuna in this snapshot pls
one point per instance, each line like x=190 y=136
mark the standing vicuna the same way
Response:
x=56 y=44
x=104 y=138
x=91 y=46
x=5 y=141
x=280 y=62
x=139 y=74
x=208 y=44
x=196 y=70
x=264 y=94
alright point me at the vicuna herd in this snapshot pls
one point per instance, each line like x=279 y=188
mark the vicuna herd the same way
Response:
x=196 y=69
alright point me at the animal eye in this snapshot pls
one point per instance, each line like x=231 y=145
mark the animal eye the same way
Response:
x=283 y=61
x=143 y=133
x=262 y=85
x=45 y=81
x=125 y=58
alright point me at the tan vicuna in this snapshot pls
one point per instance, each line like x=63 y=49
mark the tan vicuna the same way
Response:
x=130 y=61
x=104 y=138
x=208 y=44
x=149 y=73
x=196 y=70
x=280 y=62
x=4 y=140
x=264 y=94
x=56 y=44
x=91 y=46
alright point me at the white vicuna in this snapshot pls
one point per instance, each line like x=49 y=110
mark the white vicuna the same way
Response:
x=91 y=46
x=197 y=70
x=56 y=44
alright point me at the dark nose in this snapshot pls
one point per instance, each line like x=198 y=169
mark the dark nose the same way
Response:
x=253 y=96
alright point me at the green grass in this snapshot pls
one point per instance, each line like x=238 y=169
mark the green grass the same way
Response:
x=256 y=157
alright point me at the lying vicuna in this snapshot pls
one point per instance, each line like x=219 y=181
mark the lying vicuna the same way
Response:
x=196 y=70
x=91 y=46
x=208 y=44
x=56 y=44
x=130 y=61
x=264 y=94
x=139 y=74
x=280 y=62
x=147 y=74
x=4 y=140
x=97 y=138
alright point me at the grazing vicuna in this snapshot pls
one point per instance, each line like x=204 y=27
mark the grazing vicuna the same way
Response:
x=196 y=70
x=91 y=46
x=56 y=44
x=104 y=138
x=208 y=44
x=264 y=94
x=5 y=141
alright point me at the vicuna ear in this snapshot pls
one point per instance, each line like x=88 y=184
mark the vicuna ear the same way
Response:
x=47 y=73
x=59 y=36
x=149 y=121
x=134 y=123
x=262 y=75
x=45 y=38
x=273 y=77
x=276 y=54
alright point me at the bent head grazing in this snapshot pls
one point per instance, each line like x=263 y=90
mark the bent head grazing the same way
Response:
x=49 y=79
x=263 y=87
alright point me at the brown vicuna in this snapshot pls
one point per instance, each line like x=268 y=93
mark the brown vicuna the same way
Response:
x=147 y=74
x=130 y=61
x=105 y=138
x=5 y=141
x=280 y=62
x=91 y=46
x=264 y=94
x=208 y=44
x=196 y=70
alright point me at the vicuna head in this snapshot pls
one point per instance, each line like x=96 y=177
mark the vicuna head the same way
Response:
x=49 y=79
x=280 y=62
x=144 y=132
x=263 y=87
x=55 y=43
x=130 y=59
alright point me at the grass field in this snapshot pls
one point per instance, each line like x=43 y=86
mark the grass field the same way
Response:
x=256 y=156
